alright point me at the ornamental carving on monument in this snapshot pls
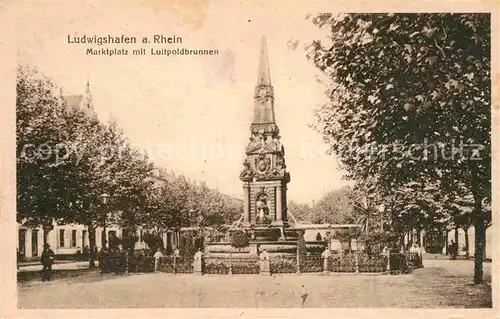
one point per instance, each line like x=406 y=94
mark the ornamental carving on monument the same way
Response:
x=279 y=169
x=263 y=94
x=247 y=172
x=262 y=164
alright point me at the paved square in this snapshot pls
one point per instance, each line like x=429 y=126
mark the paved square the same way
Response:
x=442 y=283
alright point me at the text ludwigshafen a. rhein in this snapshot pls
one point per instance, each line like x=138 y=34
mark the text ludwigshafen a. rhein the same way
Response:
x=109 y=39
x=102 y=41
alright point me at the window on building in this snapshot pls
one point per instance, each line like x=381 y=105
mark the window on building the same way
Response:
x=61 y=238
x=34 y=243
x=73 y=238
x=84 y=235
x=103 y=238
x=22 y=242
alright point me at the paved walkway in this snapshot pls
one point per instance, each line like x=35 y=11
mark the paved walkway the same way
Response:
x=441 y=283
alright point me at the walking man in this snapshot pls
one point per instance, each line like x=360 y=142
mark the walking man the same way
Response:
x=47 y=258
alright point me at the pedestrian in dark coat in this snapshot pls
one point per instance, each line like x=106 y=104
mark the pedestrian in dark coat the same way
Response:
x=47 y=259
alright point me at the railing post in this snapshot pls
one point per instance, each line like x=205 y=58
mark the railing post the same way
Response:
x=357 y=262
x=388 y=267
x=198 y=263
x=325 y=265
x=298 y=262
x=231 y=262
x=126 y=262
x=265 y=267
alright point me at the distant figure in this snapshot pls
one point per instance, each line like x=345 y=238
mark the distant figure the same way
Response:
x=176 y=252
x=418 y=250
x=18 y=258
x=47 y=260
x=385 y=250
x=157 y=256
x=86 y=253
x=453 y=250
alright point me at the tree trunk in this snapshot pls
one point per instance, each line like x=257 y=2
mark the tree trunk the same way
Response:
x=91 y=231
x=446 y=241
x=484 y=241
x=479 y=226
x=456 y=238
x=479 y=251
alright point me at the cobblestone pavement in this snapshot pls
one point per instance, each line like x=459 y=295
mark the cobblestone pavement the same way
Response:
x=442 y=283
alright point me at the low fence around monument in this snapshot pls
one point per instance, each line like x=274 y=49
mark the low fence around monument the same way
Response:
x=280 y=264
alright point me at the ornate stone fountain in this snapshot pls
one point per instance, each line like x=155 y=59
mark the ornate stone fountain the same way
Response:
x=264 y=176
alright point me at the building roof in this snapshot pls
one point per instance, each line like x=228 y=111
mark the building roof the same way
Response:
x=73 y=101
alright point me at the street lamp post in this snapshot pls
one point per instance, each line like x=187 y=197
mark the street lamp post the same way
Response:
x=104 y=199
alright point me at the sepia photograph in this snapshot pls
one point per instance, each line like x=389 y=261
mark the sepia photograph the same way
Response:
x=213 y=155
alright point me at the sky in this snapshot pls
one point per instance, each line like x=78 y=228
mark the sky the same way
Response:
x=191 y=113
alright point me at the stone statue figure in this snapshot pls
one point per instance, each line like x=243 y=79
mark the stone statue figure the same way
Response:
x=262 y=207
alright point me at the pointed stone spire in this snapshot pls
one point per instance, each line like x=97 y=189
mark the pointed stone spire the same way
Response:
x=89 y=106
x=264 y=95
x=62 y=102
x=264 y=74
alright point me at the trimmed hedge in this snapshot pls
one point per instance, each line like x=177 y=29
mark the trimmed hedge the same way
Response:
x=278 y=264
x=283 y=265
x=345 y=263
x=245 y=266
x=311 y=263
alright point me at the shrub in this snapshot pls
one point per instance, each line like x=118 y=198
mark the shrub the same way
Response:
x=153 y=241
x=216 y=268
x=245 y=266
x=343 y=263
x=128 y=242
x=283 y=265
x=312 y=263
x=188 y=248
x=399 y=262
x=374 y=242
x=368 y=263
x=239 y=239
